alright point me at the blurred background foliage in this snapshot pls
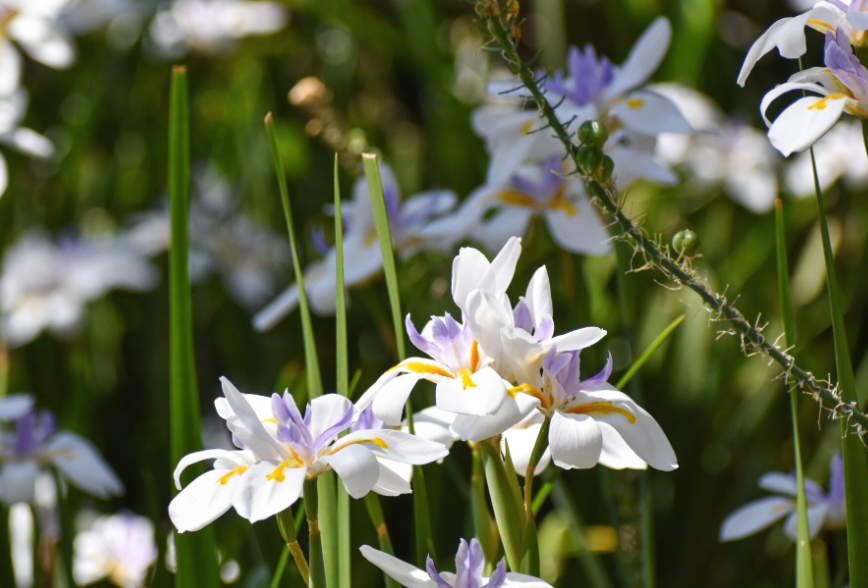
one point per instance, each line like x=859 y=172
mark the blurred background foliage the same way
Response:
x=402 y=77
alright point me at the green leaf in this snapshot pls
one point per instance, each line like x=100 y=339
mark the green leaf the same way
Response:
x=804 y=566
x=197 y=566
x=328 y=524
x=314 y=381
x=344 y=575
x=506 y=501
x=853 y=452
x=421 y=512
x=375 y=512
x=649 y=351
x=483 y=524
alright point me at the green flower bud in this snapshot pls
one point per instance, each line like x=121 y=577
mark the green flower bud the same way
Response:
x=589 y=159
x=686 y=243
x=606 y=168
x=593 y=133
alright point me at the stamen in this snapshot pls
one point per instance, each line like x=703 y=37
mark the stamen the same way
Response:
x=272 y=421
x=466 y=382
x=277 y=474
x=223 y=480
x=603 y=408
x=530 y=391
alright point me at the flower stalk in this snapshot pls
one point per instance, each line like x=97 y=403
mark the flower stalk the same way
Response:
x=506 y=501
x=375 y=512
x=317 y=565
x=657 y=256
x=286 y=524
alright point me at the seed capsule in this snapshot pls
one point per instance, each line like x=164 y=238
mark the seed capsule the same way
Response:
x=589 y=159
x=593 y=133
x=606 y=169
x=686 y=243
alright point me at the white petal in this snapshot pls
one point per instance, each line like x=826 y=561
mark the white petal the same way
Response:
x=805 y=121
x=29 y=142
x=858 y=20
x=467 y=268
x=15 y=406
x=51 y=46
x=190 y=459
x=508 y=222
x=644 y=59
x=516 y=580
x=575 y=441
x=521 y=441
x=816 y=520
x=578 y=339
x=479 y=428
x=389 y=402
x=581 y=232
x=482 y=396
x=257 y=496
x=17 y=482
x=616 y=453
x=403 y=573
x=80 y=462
x=10 y=68
x=21 y=525
x=247 y=426
x=633 y=164
x=276 y=310
x=328 y=411
x=754 y=517
x=4 y=182
x=357 y=467
x=521 y=357
x=394 y=478
x=396 y=446
x=788 y=34
x=643 y=434
x=782 y=89
x=539 y=296
x=651 y=114
x=203 y=501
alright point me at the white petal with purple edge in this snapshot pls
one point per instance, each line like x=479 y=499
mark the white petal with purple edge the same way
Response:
x=402 y=572
x=755 y=516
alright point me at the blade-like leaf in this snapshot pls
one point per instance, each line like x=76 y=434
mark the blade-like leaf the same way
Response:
x=853 y=452
x=486 y=530
x=314 y=381
x=375 y=512
x=649 y=351
x=195 y=551
x=421 y=512
x=342 y=386
x=804 y=566
x=506 y=502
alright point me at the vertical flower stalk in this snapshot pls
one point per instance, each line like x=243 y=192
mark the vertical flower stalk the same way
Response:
x=286 y=524
x=375 y=511
x=804 y=567
x=192 y=550
x=315 y=553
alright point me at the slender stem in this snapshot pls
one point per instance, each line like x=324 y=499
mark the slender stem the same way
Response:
x=486 y=530
x=539 y=447
x=317 y=566
x=653 y=254
x=804 y=565
x=649 y=351
x=506 y=501
x=375 y=512
x=286 y=524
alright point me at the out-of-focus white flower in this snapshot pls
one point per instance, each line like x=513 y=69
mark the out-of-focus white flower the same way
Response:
x=230 y=571
x=21 y=532
x=537 y=189
x=825 y=511
x=840 y=155
x=280 y=449
x=36 y=27
x=34 y=444
x=213 y=26
x=22 y=139
x=721 y=152
x=414 y=227
x=44 y=286
x=592 y=89
x=119 y=548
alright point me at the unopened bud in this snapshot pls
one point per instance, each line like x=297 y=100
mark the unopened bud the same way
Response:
x=686 y=243
x=593 y=133
x=589 y=159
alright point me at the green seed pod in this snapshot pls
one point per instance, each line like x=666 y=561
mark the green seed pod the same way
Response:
x=686 y=243
x=593 y=133
x=589 y=159
x=606 y=169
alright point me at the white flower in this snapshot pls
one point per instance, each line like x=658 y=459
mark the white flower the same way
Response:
x=34 y=444
x=840 y=154
x=721 y=153
x=532 y=190
x=213 y=26
x=35 y=26
x=44 y=286
x=280 y=449
x=824 y=510
x=469 y=562
x=119 y=548
x=411 y=224
x=230 y=571
x=22 y=139
x=594 y=89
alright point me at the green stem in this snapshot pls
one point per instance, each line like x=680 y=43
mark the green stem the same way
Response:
x=506 y=501
x=804 y=565
x=649 y=351
x=287 y=525
x=652 y=252
x=486 y=530
x=375 y=512
x=531 y=541
x=315 y=555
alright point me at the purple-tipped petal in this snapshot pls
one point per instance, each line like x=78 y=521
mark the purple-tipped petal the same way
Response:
x=279 y=410
x=435 y=575
x=345 y=420
x=421 y=343
x=498 y=578
x=600 y=378
x=545 y=330
x=522 y=316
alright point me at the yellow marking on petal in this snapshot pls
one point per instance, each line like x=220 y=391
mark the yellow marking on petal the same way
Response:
x=525 y=128
x=820 y=23
x=474 y=356
x=419 y=367
x=272 y=421
x=560 y=202
x=277 y=474
x=466 y=382
x=530 y=391
x=375 y=440
x=821 y=103
x=223 y=480
x=516 y=198
x=603 y=408
x=635 y=103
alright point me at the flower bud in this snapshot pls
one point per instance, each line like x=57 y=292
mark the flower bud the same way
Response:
x=589 y=159
x=686 y=243
x=606 y=169
x=593 y=133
